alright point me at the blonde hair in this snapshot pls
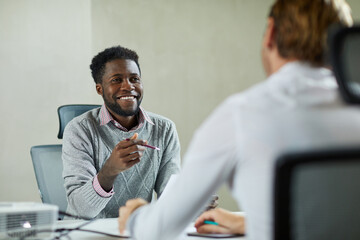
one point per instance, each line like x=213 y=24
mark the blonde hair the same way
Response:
x=301 y=27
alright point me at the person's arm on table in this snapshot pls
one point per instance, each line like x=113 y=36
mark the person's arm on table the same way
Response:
x=208 y=164
x=79 y=171
x=127 y=210
x=227 y=222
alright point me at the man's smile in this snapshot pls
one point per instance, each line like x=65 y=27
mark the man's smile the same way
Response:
x=127 y=98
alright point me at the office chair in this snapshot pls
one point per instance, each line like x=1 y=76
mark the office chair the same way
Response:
x=317 y=193
x=48 y=171
x=68 y=112
x=47 y=161
x=345 y=56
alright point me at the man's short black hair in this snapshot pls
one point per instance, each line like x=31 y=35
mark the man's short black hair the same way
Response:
x=117 y=52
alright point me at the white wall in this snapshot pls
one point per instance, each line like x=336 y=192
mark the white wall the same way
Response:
x=193 y=54
x=44 y=53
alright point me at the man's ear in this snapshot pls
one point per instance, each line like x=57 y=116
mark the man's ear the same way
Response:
x=269 y=38
x=99 y=89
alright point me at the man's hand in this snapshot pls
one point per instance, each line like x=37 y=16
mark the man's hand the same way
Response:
x=228 y=222
x=125 y=154
x=127 y=210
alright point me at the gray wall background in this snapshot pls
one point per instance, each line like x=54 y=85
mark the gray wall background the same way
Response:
x=193 y=54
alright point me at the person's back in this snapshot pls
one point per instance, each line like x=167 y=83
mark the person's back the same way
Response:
x=279 y=116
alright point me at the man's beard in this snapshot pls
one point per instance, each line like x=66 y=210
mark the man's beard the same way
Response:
x=115 y=107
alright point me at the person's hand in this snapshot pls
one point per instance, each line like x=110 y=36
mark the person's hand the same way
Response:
x=228 y=222
x=127 y=210
x=125 y=154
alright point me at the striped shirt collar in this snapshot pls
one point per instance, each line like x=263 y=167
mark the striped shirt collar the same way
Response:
x=105 y=118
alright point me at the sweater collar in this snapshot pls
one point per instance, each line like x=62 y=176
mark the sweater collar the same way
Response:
x=105 y=118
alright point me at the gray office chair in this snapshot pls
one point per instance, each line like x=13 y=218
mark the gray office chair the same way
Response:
x=48 y=171
x=47 y=161
x=317 y=193
x=68 y=112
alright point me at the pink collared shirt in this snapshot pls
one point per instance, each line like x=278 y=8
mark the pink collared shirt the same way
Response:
x=97 y=187
x=105 y=118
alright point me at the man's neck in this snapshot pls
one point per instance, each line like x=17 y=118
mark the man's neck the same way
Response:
x=127 y=122
x=280 y=63
x=277 y=62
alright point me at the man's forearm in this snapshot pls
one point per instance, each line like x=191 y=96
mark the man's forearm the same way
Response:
x=106 y=178
x=85 y=202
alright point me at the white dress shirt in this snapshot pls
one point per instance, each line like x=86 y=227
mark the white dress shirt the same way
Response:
x=296 y=108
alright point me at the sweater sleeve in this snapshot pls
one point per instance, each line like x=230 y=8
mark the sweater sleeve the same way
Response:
x=170 y=161
x=79 y=171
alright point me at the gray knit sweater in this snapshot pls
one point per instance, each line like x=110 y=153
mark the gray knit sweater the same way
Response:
x=87 y=146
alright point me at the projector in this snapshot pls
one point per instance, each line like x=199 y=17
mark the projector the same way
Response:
x=27 y=220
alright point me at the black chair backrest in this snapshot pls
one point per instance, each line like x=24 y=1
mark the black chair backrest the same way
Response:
x=317 y=195
x=68 y=112
x=344 y=48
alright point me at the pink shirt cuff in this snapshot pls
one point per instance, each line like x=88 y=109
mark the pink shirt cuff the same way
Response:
x=97 y=187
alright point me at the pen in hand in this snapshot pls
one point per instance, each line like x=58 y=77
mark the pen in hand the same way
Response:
x=211 y=222
x=148 y=146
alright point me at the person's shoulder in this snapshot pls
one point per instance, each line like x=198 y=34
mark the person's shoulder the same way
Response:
x=158 y=119
x=248 y=96
x=86 y=119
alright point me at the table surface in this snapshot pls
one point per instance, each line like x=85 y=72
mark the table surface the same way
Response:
x=110 y=225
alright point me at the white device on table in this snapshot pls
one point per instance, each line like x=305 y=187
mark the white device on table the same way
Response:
x=27 y=219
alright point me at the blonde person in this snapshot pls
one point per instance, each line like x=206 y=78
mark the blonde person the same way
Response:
x=297 y=107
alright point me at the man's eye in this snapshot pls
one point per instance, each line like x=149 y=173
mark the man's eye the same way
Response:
x=135 y=79
x=115 y=80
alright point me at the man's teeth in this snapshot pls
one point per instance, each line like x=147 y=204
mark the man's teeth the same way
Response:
x=127 y=98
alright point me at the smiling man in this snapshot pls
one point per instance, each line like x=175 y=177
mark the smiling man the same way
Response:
x=105 y=157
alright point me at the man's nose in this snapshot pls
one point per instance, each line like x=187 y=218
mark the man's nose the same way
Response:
x=127 y=85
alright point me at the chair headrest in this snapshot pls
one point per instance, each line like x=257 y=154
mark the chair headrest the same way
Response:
x=344 y=50
x=67 y=112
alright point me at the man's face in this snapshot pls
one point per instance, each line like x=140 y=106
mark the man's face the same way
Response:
x=121 y=87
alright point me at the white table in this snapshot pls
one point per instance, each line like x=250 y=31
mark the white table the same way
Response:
x=110 y=225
